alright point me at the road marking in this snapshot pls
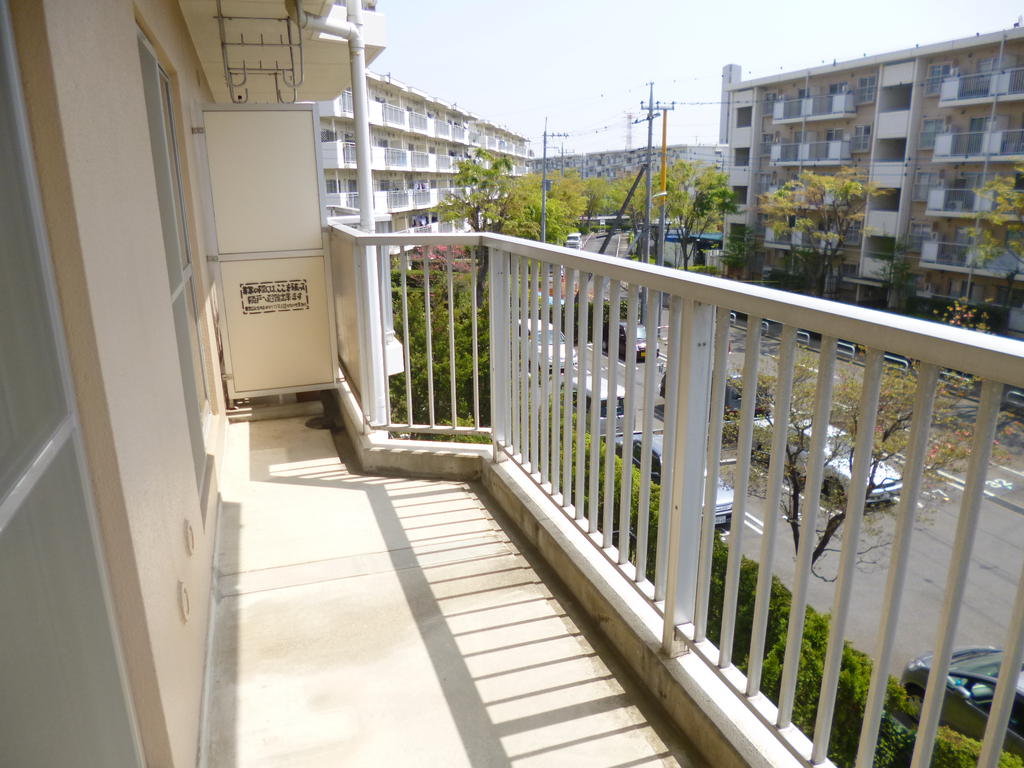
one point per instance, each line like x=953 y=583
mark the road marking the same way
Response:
x=1008 y=469
x=959 y=485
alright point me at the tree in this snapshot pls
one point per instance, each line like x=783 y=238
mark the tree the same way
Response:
x=950 y=446
x=897 y=276
x=823 y=212
x=484 y=193
x=738 y=252
x=597 y=191
x=698 y=198
x=1004 y=255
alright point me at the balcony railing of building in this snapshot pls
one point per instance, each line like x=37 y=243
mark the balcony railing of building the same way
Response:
x=815 y=107
x=423 y=197
x=551 y=408
x=993 y=144
x=444 y=163
x=458 y=133
x=396 y=158
x=956 y=201
x=398 y=198
x=393 y=115
x=442 y=129
x=417 y=121
x=818 y=152
x=787 y=153
x=984 y=85
x=348 y=152
x=420 y=159
x=952 y=254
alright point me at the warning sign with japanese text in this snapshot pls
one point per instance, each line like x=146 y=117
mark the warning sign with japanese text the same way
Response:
x=274 y=296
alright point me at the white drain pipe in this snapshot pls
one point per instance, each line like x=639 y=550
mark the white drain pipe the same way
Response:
x=373 y=292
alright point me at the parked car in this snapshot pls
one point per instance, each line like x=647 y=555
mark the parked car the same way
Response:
x=574 y=240
x=546 y=338
x=640 y=348
x=602 y=400
x=887 y=480
x=970 y=686
x=724 y=497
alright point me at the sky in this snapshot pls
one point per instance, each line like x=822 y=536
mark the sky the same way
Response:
x=584 y=66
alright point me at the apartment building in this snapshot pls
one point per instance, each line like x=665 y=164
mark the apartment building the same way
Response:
x=418 y=141
x=611 y=164
x=929 y=125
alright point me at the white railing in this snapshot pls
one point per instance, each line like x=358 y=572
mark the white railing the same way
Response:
x=984 y=85
x=417 y=121
x=349 y=152
x=995 y=144
x=458 y=133
x=346 y=102
x=441 y=128
x=420 y=160
x=444 y=163
x=396 y=158
x=549 y=392
x=394 y=115
x=956 y=201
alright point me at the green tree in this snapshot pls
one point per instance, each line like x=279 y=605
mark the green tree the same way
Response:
x=565 y=205
x=897 y=276
x=738 y=252
x=1000 y=239
x=823 y=211
x=698 y=198
x=597 y=193
x=950 y=446
x=484 y=193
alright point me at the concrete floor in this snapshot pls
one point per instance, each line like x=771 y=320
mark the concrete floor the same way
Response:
x=375 y=621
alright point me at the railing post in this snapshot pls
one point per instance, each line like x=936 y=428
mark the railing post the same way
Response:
x=500 y=343
x=690 y=435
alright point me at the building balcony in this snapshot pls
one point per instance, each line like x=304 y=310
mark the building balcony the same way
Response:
x=956 y=202
x=1005 y=146
x=811 y=153
x=982 y=88
x=391 y=573
x=828 y=107
x=883 y=223
x=964 y=257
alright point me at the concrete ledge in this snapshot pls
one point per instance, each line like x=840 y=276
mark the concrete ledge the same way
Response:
x=723 y=729
x=379 y=454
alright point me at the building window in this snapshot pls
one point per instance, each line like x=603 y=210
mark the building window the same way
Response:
x=328 y=134
x=923 y=182
x=930 y=128
x=866 y=87
x=861 y=138
x=177 y=249
x=936 y=74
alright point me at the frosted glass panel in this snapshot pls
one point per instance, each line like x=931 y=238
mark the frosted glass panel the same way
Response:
x=31 y=397
x=62 y=702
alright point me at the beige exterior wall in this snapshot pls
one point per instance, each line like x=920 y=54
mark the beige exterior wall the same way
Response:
x=81 y=76
x=880 y=157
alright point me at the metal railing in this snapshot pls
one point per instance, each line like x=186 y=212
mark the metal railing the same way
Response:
x=394 y=115
x=952 y=200
x=420 y=159
x=417 y=121
x=458 y=133
x=548 y=391
x=789 y=152
x=346 y=102
x=441 y=128
x=349 y=199
x=967 y=143
x=396 y=158
x=860 y=144
x=1015 y=81
x=1011 y=143
x=398 y=198
x=444 y=163
x=348 y=152
x=789 y=109
x=952 y=254
x=975 y=86
x=421 y=197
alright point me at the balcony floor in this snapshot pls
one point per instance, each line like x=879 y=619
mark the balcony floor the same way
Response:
x=373 y=621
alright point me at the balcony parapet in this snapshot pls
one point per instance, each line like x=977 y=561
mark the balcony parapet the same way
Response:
x=982 y=88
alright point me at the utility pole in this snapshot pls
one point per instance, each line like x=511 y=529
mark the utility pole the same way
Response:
x=544 y=184
x=659 y=258
x=645 y=249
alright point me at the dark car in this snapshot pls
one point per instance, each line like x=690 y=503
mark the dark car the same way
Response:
x=734 y=398
x=970 y=685
x=640 y=349
x=724 y=497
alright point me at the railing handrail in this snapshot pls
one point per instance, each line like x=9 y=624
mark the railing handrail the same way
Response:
x=985 y=355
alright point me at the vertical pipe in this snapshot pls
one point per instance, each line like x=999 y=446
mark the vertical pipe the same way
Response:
x=534 y=367
x=514 y=329
x=524 y=362
x=498 y=346
x=544 y=371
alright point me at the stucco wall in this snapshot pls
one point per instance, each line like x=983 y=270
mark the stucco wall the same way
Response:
x=81 y=76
